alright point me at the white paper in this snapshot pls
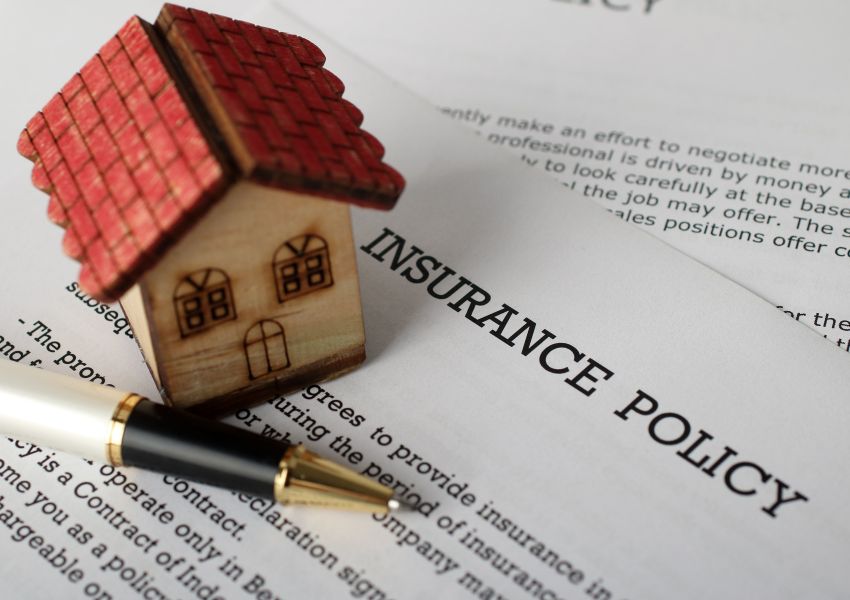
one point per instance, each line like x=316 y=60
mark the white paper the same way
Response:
x=736 y=76
x=473 y=414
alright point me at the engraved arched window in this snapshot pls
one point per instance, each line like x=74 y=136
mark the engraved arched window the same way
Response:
x=265 y=348
x=302 y=265
x=203 y=299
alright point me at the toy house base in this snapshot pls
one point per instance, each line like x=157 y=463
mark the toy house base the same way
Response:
x=265 y=391
x=259 y=298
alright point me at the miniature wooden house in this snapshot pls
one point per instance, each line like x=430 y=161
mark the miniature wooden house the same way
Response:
x=203 y=169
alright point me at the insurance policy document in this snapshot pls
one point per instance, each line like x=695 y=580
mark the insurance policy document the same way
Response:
x=720 y=127
x=573 y=408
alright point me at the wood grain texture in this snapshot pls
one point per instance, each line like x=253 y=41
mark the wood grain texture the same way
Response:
x=133 y=306
x=260 y=297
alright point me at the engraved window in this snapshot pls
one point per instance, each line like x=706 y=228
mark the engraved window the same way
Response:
x=302 y=265
x=202 y=300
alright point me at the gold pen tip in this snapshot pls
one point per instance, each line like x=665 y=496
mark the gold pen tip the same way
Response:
x=305 y=478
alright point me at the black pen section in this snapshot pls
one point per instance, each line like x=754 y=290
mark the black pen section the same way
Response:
x=178 y=443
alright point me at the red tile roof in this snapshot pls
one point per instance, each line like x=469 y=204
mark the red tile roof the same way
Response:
x=280 y=111
x=128 y=169
x=123 y=160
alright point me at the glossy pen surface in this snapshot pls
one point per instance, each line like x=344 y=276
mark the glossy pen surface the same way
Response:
x=125 y=429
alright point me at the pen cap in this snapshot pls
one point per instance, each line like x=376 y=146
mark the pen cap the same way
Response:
x=56 y=411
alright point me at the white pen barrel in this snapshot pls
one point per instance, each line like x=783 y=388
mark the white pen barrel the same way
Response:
x=56 y=411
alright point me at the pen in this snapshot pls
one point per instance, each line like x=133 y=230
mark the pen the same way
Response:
x=125 y=429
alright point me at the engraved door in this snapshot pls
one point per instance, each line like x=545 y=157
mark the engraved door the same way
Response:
x=265 y=348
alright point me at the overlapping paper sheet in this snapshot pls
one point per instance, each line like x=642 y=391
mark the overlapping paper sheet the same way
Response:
x=574 y=408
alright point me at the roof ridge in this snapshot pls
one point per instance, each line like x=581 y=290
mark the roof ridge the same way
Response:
x=193 y=101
